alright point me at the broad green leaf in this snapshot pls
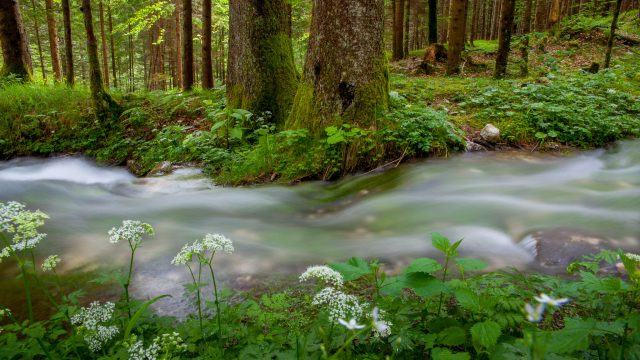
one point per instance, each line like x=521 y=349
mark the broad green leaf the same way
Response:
x=446 y=354
x=574 y=336
x=485 y=334
x=471 y=264
x=138 y=314
x=440 y=242
x=422 y=284
x=424 y=265
x=468 y=299
x=354 y=268
x=452 y=336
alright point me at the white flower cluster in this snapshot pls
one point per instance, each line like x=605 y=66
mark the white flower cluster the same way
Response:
x=535 y=314
x=633 y=257
x=323 y=273
x=23 y=224
x=211 y=242
x=91 y=321
x=131 y=231
x=167 y=344
x=381 y=328
x=339 y=304
x=50 y=262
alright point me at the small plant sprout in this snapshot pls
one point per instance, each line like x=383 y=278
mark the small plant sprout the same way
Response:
x=50 y=263
x=131 y=231
x=547 y=300
x=93 y=324
x=351 y=324
x=323 y=274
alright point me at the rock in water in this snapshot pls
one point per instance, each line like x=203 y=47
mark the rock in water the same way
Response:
x=490 y=133
x=473 y=147
x=162 y=168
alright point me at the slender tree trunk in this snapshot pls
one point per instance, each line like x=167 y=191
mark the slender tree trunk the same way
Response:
x=407 y=19
x=102 y=101
x=398 y=30
x=103 y=37
x=14 y=42
x=526 y=17
x=114 y=69
x=474 y=20
x=444 y=24
x=433 y=21
x=187 y=45
x=504 y=41
x=53 y=41
x=456 y=35
x=132 y=83
x=38 y=41
x=68 y=42
x=262 y=76
x=554 y=13
x=178 y=44
x=541 y=15
x=207 y=67
x=612 y=33
x=341 y=85
x=222 y=57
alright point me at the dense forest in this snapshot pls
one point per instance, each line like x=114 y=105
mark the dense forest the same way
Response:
x=290 y=91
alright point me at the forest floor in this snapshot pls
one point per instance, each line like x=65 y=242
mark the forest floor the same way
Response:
x=558 y=106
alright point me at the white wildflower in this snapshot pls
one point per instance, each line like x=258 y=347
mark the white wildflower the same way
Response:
x=185 y=255
x=633 y=257
x=132 y=231
x=351 y=324
x=50 y=263
x=211 y=242
x=166 y=344
x=534 y=314
x=611 y=91
x=546 y=299
x=381 y=327
x=217 y=242
x=170 y=343
x=90 y=323
x=4 y=312
x=137 y=351
x=325 y=274
x=339 y=305
x=23 y=224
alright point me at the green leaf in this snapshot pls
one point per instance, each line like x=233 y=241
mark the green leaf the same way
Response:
x=440 y=242
x=353 y=269
x=446 y=354
x=471 y=264
x=468 y=299
x=138 y=314
x=452 y=336
x=422 y=284
x=574 y=336
x=424 y=265
x=485 y=334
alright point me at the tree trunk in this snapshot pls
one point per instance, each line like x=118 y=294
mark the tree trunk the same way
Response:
x=262 y=76
x=38 y=41
x=433 y=21
x=178 y=45
x=504 y=39
x=103 y=37
x=554 y=13
x=526 y=17
x=187 y=45
x=612 y=33
x=444 y=24
x=68 y=42
x=102 y=101
x=207 y=66
x=407 y=19
x=456 y=35
x=474 y=20
x=15 y=45
x=398 y=30
x=53 y=41
x=541 y=15
x=114 y=69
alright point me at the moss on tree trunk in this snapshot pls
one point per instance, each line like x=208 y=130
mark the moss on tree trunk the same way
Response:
x=15 y=47
x=262 y=75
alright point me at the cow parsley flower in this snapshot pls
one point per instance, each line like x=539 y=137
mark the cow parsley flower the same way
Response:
x=50 y=263
x=338 y=304
x=351 y=324
x=633 y=257
x=211 y=242
x=166 y=344
x=23 y=224
x=131 y=231
x=324 y=274
x=184 y=256
x=381 y=327
x=217 y=242
x=137 y=351
x=534 y=314
x=92 y=324
x=546 y=299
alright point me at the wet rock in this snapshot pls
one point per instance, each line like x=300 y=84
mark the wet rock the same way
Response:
x=490 y=133
x=474 y=147
x=135 y=167
x=554 y=249
x=162 y=168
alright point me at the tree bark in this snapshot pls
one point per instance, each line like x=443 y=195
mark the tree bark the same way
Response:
x=398 y=30
x=504 y=39
x=612 y=33
x=53 y=41
x=15 y=45
x=103 y=36
x=207 y=66
x=68 y=42
x=114 y=69
x=407 y=19
x=102 y=101
x=38 y=41
x=456 y=35
x=474 y=20
x=261 y=72
x=178 y=45
x=541 y=15
x=526 y=17
x=187 y=45
x=433 y=21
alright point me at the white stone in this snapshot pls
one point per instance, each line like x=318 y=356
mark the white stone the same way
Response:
x=490 y=133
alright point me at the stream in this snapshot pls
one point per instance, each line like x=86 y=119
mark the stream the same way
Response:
x=493 y=200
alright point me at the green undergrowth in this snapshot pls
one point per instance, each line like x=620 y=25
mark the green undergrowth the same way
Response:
x=431 y=309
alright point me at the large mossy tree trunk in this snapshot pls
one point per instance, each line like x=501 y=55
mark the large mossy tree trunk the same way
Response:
x=457 y=30
x=261 y=72
x=345 y=76
x=68 y=43
x=104 y=105
x=13 y=38
x=504 y=38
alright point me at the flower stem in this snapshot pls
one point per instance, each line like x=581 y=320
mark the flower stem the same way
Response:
x=197 y=285
x=218 y=313
x=128 y=282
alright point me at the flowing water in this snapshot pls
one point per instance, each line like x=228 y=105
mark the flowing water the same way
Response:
x=492 y=200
